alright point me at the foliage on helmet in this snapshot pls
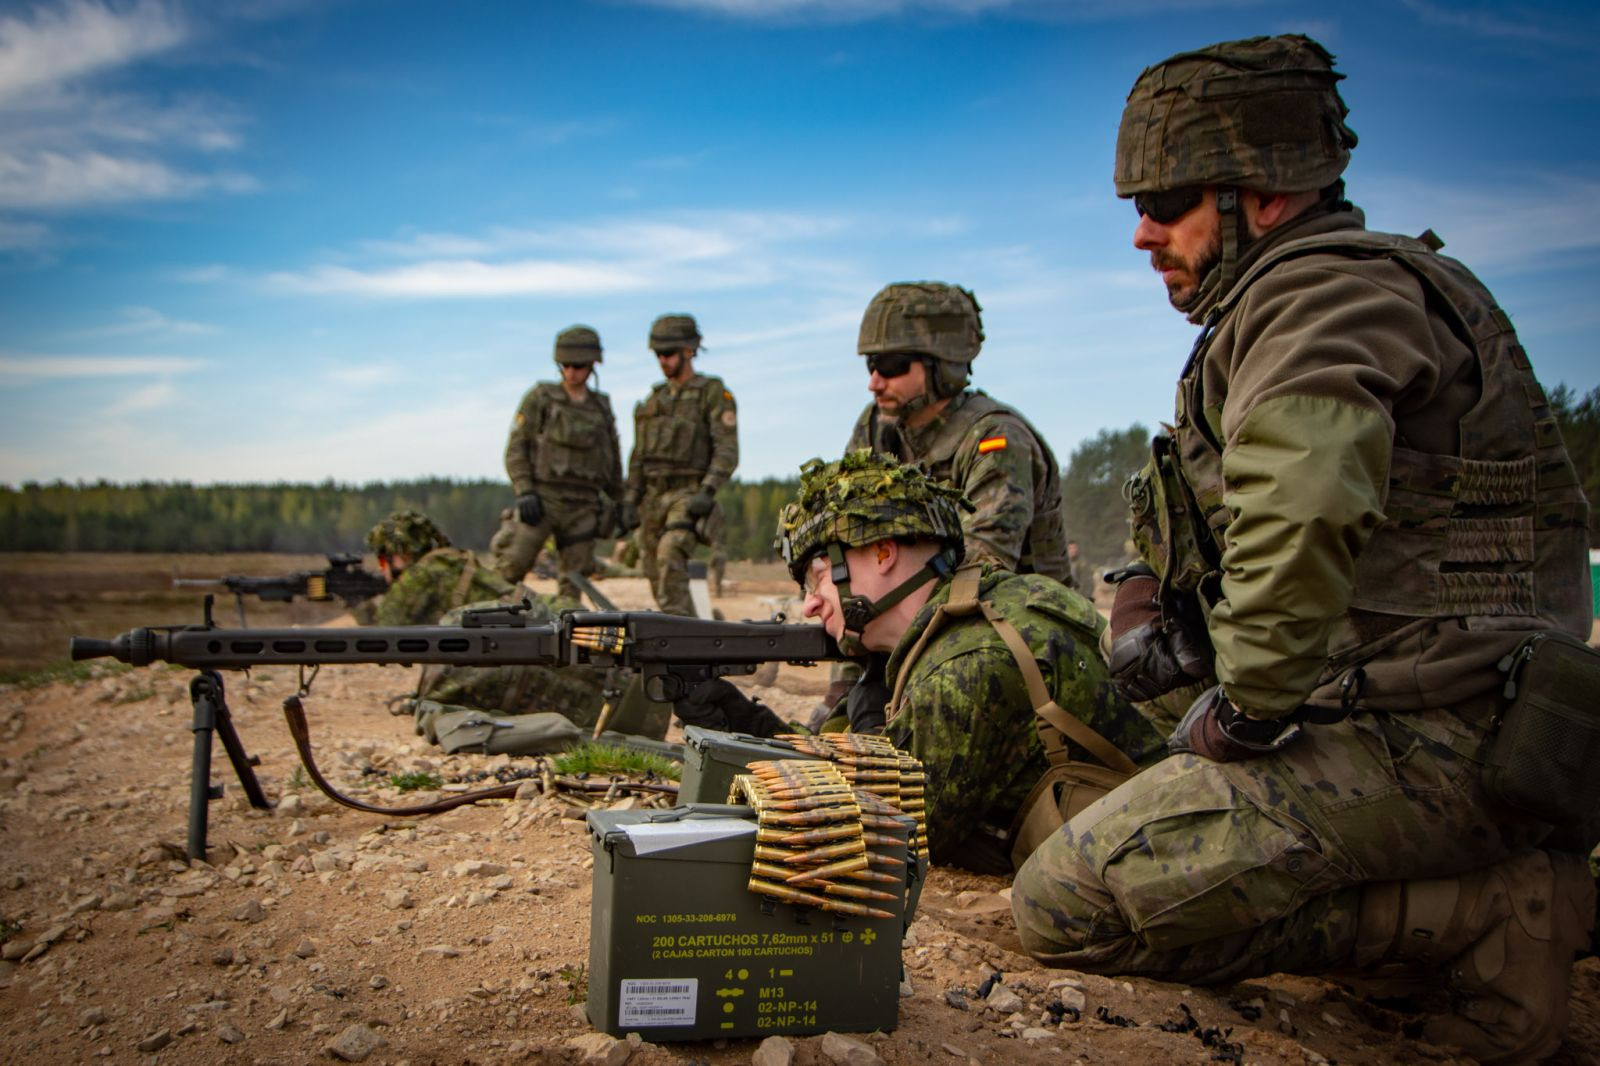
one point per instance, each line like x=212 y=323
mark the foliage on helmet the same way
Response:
x=923 y=317
x=862 y=498
x=1262 y=113
x=671 y=332
x=576 y=345
x=406 y=533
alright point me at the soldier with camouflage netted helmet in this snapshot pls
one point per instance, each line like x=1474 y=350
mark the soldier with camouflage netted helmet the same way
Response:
x=878 y=549
x=427 y=576
x=1361 y=513
x=919 y=340
x=565 y=464
x=685 y=448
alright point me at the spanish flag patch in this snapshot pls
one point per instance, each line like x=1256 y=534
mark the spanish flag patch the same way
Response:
x=991 y=444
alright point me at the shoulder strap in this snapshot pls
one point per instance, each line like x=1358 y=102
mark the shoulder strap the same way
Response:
x=1051 y=720
x=469 y=570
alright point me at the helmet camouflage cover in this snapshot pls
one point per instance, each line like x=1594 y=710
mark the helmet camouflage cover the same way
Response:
x=577 y=345
x=406 y=533
x=1263 y=113
x=924 y=317
x=862 y=498
x=671 y=332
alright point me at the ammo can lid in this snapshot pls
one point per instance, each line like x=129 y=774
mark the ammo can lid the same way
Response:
x=704 y=832
x=752 y=748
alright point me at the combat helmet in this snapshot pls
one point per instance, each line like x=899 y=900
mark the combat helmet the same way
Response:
x=578 y=346
x=672 y=332
x=406 y=533
x=1262 y=113
x=940 y=322
x=860 y=499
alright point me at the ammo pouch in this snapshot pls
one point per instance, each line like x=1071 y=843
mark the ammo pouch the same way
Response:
x=1543 y=757
x=473 y=731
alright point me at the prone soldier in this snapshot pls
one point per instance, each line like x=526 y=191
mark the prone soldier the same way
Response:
x=565 y=465
x=516 y=710
x=1366 y=491
x=685 y=448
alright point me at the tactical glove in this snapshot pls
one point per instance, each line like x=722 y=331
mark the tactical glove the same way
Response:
x=530 y=508
x=1158 y=644
x=717 y=704
x=627 y=516
x=700 y=503
x=1217 y=730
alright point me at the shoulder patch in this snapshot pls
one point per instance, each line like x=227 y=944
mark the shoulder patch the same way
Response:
x=730 y=418
x=991 y=444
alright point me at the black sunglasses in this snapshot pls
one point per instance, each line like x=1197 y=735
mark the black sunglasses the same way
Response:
x=1169 y=205
x=890 y=364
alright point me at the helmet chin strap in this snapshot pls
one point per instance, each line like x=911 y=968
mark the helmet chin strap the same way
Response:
x=859 y=611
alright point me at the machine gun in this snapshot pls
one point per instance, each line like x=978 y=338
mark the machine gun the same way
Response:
x=672 y=654
x=345 y=579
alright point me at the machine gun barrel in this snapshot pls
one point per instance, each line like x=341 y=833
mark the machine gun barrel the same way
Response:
x=673 y=653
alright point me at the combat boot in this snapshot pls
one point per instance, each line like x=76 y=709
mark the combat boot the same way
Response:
x=1501 y=939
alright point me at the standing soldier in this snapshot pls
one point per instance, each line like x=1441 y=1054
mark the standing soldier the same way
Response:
x=685 y=448
x=919 y=340
x=1362 y=518
x=566 y=468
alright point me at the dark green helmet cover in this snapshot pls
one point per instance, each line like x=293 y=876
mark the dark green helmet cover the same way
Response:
x=578 y=345
x=672 y=332
x=863 y=498
x=406 y=533
x=1262 y=113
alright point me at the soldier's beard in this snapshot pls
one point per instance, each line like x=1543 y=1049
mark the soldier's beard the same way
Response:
x=1183 y=287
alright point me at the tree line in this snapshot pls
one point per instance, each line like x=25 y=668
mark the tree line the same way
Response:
x=291 y=517
x=330 y=516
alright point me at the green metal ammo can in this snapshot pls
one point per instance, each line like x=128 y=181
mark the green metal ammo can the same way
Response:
x=681 y=949
x=712 y=759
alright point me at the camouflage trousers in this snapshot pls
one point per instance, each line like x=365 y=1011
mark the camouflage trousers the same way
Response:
x=668 y=538
x=572 y=518
x=1208 y=873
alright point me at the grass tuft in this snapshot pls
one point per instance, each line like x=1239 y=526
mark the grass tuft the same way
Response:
x=415 y=781
x=64 y=670
x=611 y=759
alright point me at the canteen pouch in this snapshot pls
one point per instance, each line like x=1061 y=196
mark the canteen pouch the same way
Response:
x=1542 y=757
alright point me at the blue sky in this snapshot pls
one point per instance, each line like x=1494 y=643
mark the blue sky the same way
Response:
x=280 y=240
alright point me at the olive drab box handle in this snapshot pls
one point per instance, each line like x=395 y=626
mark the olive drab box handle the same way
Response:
x=1543 y=756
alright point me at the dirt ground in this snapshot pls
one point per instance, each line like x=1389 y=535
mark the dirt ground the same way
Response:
x=316 y=931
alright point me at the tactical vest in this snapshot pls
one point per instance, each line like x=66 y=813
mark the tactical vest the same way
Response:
x=1070 y=784
x=574 y=439
x=672 y=436
x=1494 y=532
x=1044 y=547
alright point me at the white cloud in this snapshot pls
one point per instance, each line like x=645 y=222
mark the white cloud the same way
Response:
x=22 y=236
x=72 y=139
x=362 y=376
x=864 y=10
x=709 y=250
x=1527 y=25
x=146 y=398
x=1483 y=226
x=21 y=368
x=145 y=320
x=77 y=38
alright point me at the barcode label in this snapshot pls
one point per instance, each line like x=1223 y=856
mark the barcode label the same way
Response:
x=658 y=1002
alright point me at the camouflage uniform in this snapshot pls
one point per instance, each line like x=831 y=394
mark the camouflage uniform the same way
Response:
x=992 y=455
x=440 y=581
x=1367 y=489
x=965 y=710
x=566 y=453
x=962 y=701
x=986 y=450
x=685 y=443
